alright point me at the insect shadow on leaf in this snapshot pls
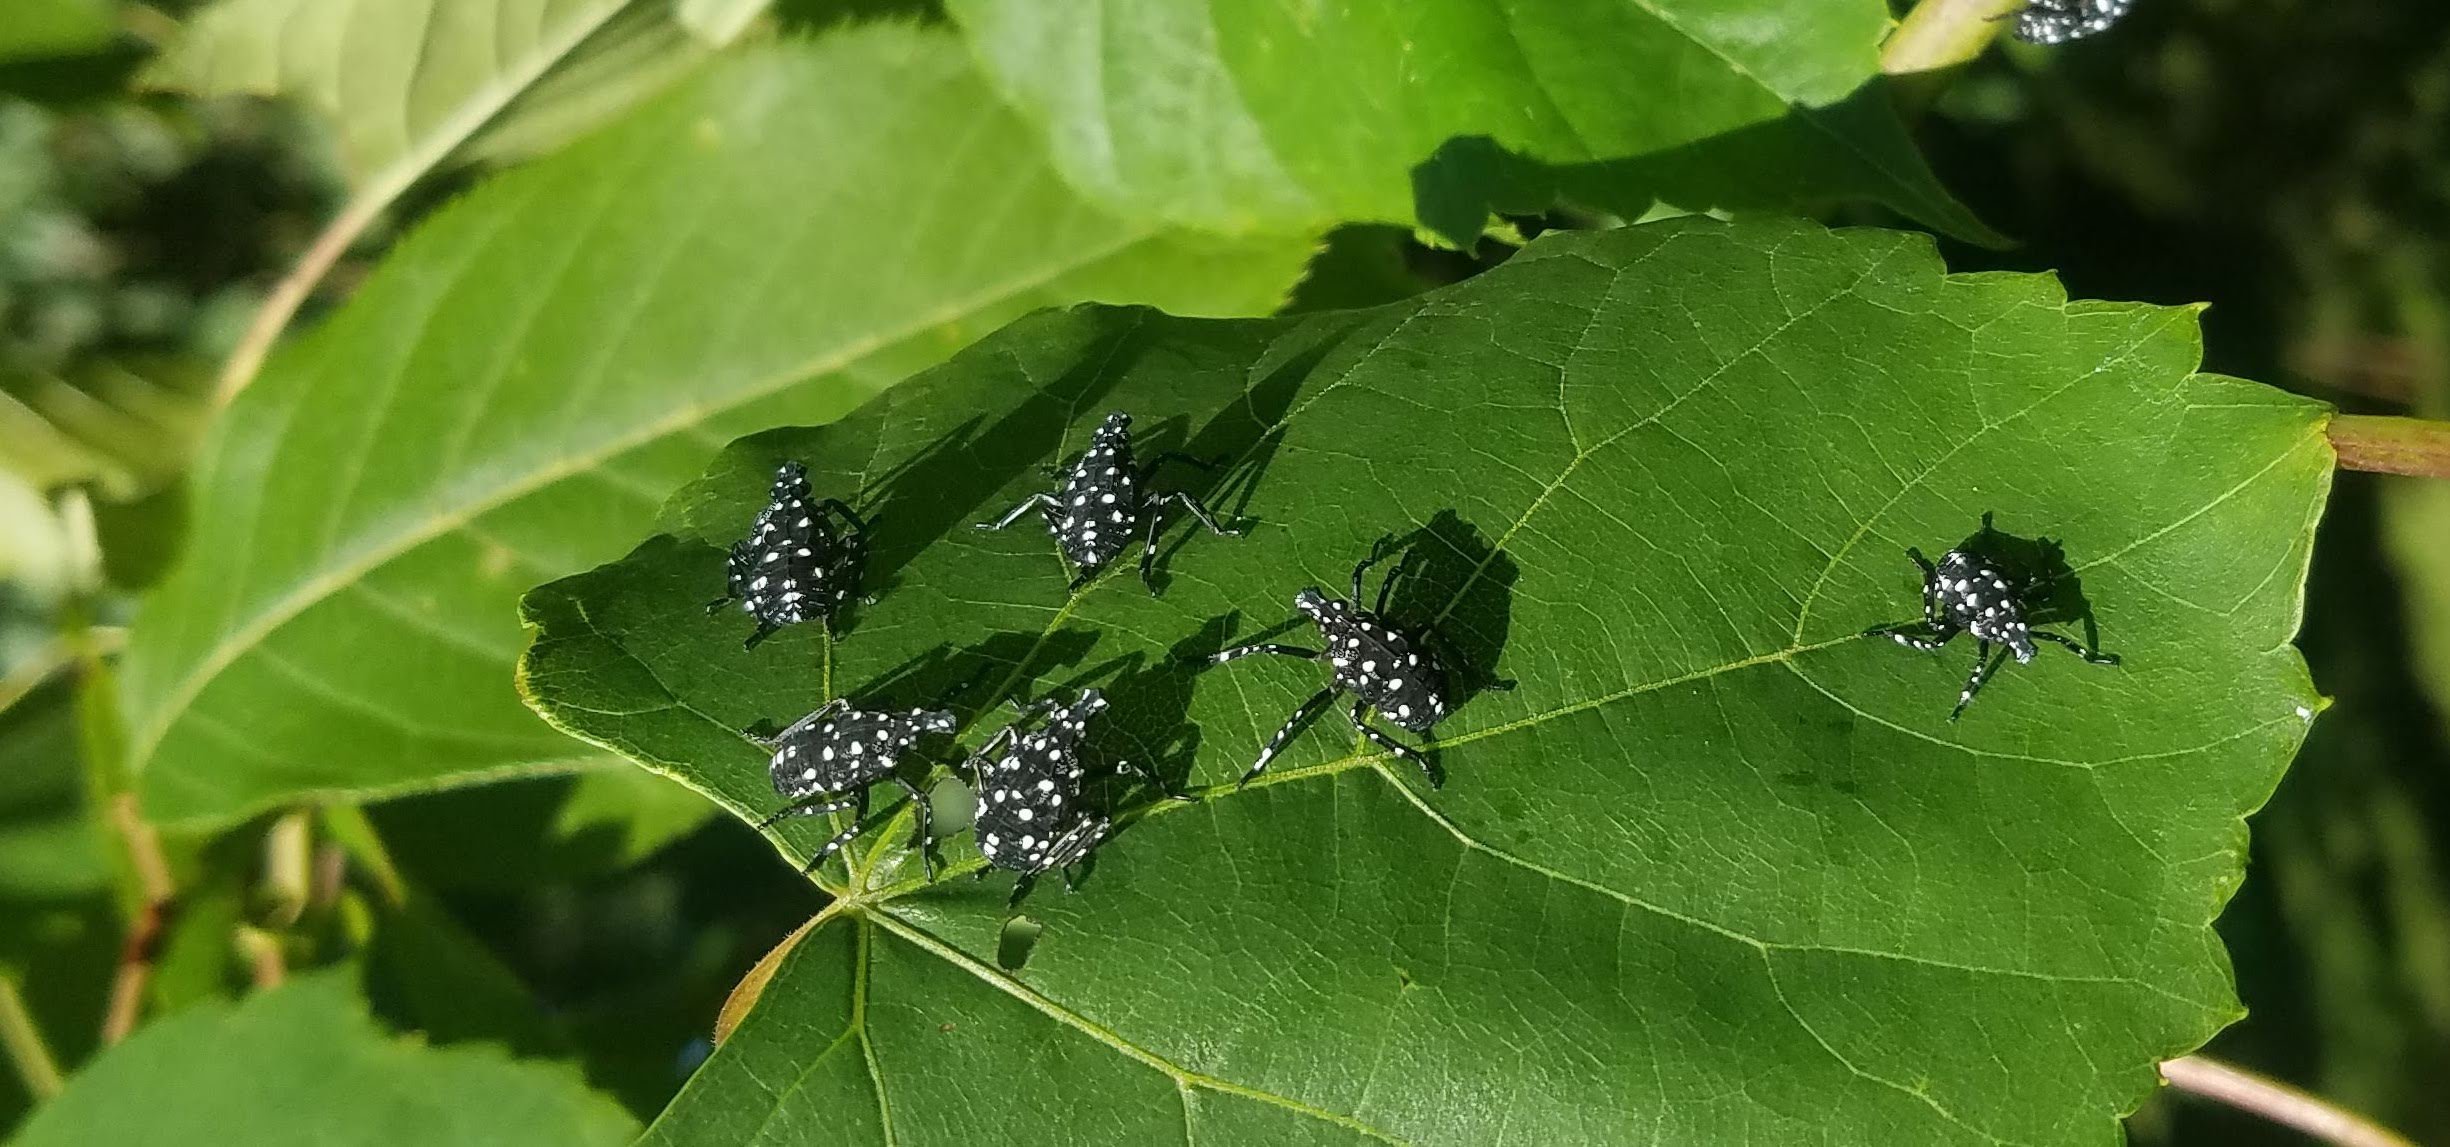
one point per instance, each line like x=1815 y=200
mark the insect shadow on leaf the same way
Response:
x=1107 y=500
x=915 y=496
x=1386 y=649
x=2002 y=590
x=1244 y=436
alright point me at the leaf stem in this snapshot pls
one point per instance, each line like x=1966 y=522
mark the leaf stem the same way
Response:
x=744 y=995
x=152 y=917
x=23 y=1040
x=2385 y=445
x=350 y=828
x=282 y=303
x=1944 y=33
x=2278 y=1102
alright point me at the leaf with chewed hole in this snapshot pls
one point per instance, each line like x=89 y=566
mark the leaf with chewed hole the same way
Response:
x=1715 y=869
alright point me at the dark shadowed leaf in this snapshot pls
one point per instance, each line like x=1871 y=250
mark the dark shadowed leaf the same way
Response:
x=1716 y=869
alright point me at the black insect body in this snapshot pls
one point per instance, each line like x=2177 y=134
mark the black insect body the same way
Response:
x=1031 y=813
x=1970 y=590
x=1384 y=667
x=2059 y=21
x=1104 y=499
x=826 y=760
x=798 y=561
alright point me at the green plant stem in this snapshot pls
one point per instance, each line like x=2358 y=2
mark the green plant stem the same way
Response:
x=288 y=857
x=1944 y=33
x=24 y=1043
x=354 y=833
x=2383 y=445
x=2278 y=1102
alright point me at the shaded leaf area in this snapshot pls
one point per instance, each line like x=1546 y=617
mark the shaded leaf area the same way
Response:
x=532 y=372
x=396 y=113
x=1236 y=116
x=59 y=933
x=1715 y=868
x=305 y=1064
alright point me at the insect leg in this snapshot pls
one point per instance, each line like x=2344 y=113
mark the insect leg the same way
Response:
x=859 y=524
x=1039 y=502
x=1386 y=589
x=1148 y=546
x=818 y=805
x=1360 y=715
x=1929 y=570
x=765 y=629
x=1986 y=662
x=1178 y=456
x=716 y=606
x=924 y=837
x=1199 y=511
x=826 y=712
x=858 y=805
x=2090 y=656
x=986 y=755
x=1924 y=635
x=1239 y=652
x=1074 y=844
x=1300 y=716
x=1155 y=781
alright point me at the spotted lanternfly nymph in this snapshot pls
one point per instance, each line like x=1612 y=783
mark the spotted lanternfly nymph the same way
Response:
x=1384 y=667
x=798 y=562
x=1974 y=590
x=1031 y=815
x=826 y=760
x=2049 y=22
x=1103 y=499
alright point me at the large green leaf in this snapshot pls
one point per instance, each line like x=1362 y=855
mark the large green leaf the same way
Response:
x=304 y=1064
x=529 y=375
x=403 y=84
x=1716 y=869
x=1237 y=115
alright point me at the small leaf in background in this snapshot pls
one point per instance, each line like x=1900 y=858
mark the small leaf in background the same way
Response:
x=1238 y=117
x=49 y=849
x=512 y=396
x=718 y=22
x=39 y=28
x=1716 y=868
x=304 y=1064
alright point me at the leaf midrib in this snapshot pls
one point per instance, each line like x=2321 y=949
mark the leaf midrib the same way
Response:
x=305 y=594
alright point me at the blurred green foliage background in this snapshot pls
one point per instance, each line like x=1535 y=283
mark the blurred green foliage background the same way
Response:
x=2287 y=161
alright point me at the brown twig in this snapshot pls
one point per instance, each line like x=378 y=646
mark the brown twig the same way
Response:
x=267 y=965
x=2389 y=445
x=286 y=296
x=152 y=918
x=2278 y=1102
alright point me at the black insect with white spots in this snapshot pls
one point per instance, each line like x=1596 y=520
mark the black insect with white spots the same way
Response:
x=1974 y=589
x=1032 y=815
x=1104 y=499
x=801 y=559
x=1385 y=667
x=2049 y=22
x=826 y=760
